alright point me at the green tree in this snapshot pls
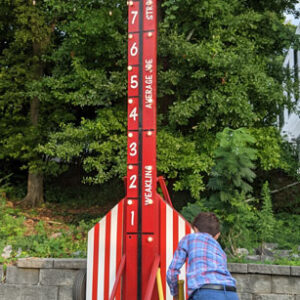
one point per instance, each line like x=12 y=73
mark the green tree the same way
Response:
x=26 y=39
x=90 y=75
x=219 y=66
x=58 y=62
x=266 y=221
x=230 y=185
x=234 y=160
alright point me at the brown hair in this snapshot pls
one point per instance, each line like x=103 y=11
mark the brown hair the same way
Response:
x=207 y=222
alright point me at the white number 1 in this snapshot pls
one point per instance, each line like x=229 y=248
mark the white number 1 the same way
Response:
x=132 y=218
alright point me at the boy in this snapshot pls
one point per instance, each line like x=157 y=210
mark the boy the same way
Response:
x=207 y=274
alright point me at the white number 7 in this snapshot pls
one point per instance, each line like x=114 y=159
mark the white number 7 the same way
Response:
x=134 y=13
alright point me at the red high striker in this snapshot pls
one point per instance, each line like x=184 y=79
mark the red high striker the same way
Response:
x=130 y=249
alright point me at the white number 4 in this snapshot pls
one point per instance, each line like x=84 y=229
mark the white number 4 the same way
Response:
x=133 y=114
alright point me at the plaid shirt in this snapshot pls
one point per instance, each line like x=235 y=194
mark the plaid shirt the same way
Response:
x=206 y=263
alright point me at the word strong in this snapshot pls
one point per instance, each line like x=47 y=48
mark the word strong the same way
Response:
x=142 y=232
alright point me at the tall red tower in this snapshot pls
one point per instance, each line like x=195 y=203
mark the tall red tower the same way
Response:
x=139 y=235
x=142 y=212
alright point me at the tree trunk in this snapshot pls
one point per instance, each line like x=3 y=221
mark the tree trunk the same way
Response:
x=35 y=190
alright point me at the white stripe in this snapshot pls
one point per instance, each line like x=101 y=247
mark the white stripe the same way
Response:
x=181 y=234
x=113 y=248
x=101 y=267
x=90 y=261
x=169 y=243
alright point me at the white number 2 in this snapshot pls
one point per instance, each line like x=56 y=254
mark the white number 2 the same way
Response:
x=134 y=13
x=133 y=180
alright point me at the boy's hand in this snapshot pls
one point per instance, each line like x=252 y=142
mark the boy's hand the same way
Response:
x=176 y=297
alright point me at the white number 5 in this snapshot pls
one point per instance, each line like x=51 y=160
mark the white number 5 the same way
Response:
x=133 y=81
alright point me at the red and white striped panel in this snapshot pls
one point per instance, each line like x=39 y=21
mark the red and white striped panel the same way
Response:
x=104 y=254
x=173 y=227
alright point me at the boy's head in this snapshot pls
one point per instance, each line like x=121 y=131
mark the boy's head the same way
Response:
x=207 y=222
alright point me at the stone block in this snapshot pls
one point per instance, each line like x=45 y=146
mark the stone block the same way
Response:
x=295 y=271
x=35 y=263
x=253 y=257
x=285 y=285
x=260 y=283
x=245 y=296
x=297 y=297
x=16 y=275
x=270 y=246
x=273 y=297
x=283 y=253
x=63 y=263
x=65 y=293
x=16 y=292
x=242 y=283
x=57 y=277
x=242 y=252
x=269 y=269
x=237 y=268
x=281 y=270
x=259 y=269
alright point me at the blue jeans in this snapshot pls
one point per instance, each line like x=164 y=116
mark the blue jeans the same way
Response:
x=206 y=294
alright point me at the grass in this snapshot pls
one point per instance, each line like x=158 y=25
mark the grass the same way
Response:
x=42 y=232
x=59 y=228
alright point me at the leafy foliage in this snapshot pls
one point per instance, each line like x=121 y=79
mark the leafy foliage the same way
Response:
x=232 y=173
x=266 y=221
x=242 y=224
x=43 y=242
x=286 y=230
x=219 y=66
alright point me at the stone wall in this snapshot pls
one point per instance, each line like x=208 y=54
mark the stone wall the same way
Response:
x=40 y=279
x=266 y=282
x=52 y=279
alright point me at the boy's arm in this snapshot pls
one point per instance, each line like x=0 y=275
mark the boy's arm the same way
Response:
x=179 y=259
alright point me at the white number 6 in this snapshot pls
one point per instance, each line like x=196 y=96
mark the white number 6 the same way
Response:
x=134 y=50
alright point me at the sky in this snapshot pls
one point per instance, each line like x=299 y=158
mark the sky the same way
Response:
x=290 y=18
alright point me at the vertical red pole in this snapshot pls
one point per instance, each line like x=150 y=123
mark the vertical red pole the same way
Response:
x=142 y=207
x=150 y=205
